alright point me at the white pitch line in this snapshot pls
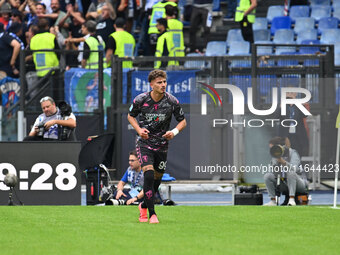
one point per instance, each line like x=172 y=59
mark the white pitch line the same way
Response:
x=202 y=202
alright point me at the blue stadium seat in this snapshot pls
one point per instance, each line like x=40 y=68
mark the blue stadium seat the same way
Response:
x=298 y=11
x=216 y=5
x=310 y=34
x=274 y=11
x=264 y=50
x=216 y=48
x=320 y=11
x=285 y=36
x=320 y=2
x=283 y=50
x=240 y=63
x=265 y=85
x=234 y=35
x=260 y=23
x=336 y=4
x=337 y=54
x=327 y=23
x=261 y=35
x=336 y=12
x=337 y=47
x=239 y=48
x=199 y=64
x=302 y=24
x=330 y=36
x=283 y=22
x=309 y=50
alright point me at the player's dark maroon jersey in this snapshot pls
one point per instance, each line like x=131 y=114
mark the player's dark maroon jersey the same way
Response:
x=155 y=117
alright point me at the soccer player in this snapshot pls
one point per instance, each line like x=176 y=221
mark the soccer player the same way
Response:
x=155 y=110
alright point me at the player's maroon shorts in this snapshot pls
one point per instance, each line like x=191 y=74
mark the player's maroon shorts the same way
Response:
x=149 y=157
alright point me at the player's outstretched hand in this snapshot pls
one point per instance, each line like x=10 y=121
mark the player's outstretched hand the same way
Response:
x=168 y=135
x=144 y=133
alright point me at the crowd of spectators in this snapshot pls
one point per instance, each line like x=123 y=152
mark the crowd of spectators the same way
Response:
x=19 y=23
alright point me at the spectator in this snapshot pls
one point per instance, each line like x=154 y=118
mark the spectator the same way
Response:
x=200 y=17
x=231 y=8
x=133 y=177
x=15 y=4
x=44 y=61
x=128 y=10
x=76 y=21
x=120 y=43
x=168 y=44
x=164 y=45
x=75 y=34
x=292 y=178
x=17 y=18
x=105 y=24
x=95 y=9
x=158 y=11
x=36 y=9
x=65 y=3
x=81 y=42
x=143 y=40
x=56 y=16
x=175 y=27
x=84 y=5
x=9 y=48
x=46 y=3
x=49 y=125
x=92 y=43
x=5 y=12
x=15 y=31
x=32 y=31
x=245 y=16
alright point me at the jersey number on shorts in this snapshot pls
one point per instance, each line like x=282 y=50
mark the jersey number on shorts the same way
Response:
x=162 y=165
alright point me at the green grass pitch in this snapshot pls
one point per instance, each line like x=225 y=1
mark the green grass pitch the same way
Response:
x=182 y=230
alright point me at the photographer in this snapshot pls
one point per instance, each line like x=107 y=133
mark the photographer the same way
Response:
x=286 y=164
x=55 y=123
x=133 y=177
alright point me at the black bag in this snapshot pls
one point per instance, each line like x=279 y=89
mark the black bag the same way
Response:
x=96 y=180
x=249 y=199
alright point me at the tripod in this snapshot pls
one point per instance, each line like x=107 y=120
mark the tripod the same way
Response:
x=10 y=196
x=277 y=190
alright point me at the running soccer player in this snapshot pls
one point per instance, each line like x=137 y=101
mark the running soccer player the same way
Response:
x=155 y=110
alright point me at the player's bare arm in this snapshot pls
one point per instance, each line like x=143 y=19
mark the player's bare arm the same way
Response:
x=142 y=132
x=172 y=133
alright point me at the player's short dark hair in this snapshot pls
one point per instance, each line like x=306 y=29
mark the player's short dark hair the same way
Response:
x=91 y=26
x=163 y=22
x=170 y=10
x=277 y=140
x=133 y=153
x=155 y=74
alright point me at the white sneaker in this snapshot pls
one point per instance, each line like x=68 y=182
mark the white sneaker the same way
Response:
x=270 y=203
x=291 y=202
